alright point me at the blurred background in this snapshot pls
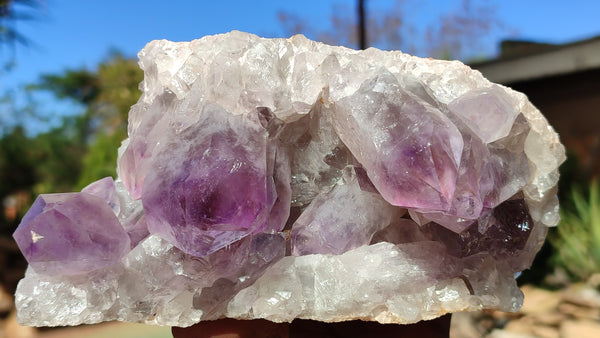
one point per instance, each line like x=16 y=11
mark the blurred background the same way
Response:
x=68 y=75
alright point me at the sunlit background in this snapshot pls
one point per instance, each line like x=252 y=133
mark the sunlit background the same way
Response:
x=68 y=75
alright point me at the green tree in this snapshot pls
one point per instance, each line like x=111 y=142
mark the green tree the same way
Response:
x=107 y=94
x=83 y=148
x=58 y=155
x=48 y=162
x=16 y=168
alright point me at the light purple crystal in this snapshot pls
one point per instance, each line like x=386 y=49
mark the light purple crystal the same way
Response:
x=326 y=226
x=236 y=267
x=212 y=184
x=71 y=233
x=415 y=151
x=105 y=189
x=135 y=160
x=488 y=112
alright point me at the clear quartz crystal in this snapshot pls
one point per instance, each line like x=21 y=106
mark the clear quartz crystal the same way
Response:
x=284 y=178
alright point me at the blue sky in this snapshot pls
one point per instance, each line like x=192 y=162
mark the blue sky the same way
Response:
x=80 y=33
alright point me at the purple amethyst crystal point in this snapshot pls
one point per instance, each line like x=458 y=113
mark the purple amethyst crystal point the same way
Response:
x=327 y=227
x=488 y=112
x=416 y=150
x=137 y=154
x=72 y=233
x=209 y=186
x=105 y=189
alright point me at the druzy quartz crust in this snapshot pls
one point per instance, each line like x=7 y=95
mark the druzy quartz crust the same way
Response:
x=285 y=178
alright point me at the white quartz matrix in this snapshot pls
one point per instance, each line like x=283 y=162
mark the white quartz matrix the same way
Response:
x=398 y=189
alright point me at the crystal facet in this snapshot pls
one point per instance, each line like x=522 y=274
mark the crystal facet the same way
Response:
x=221 y=187
x=64 y=234
x=284 y=178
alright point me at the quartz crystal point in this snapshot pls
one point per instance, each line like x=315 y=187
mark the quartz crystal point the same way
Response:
x=64 y=234
x=326 y=226
x=284 y=178
x=415 y=151
x=219 y=190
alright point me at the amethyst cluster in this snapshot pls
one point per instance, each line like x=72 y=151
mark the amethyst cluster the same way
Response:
x=283 y=178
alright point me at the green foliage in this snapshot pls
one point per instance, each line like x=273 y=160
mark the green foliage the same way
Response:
x=81 y=150
x=100 y=159
x=577 y=239
x=107 y=94
x=57 y=156
x=79 y=85
x=118 y=90
x=16 y=169
x=49 y=162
